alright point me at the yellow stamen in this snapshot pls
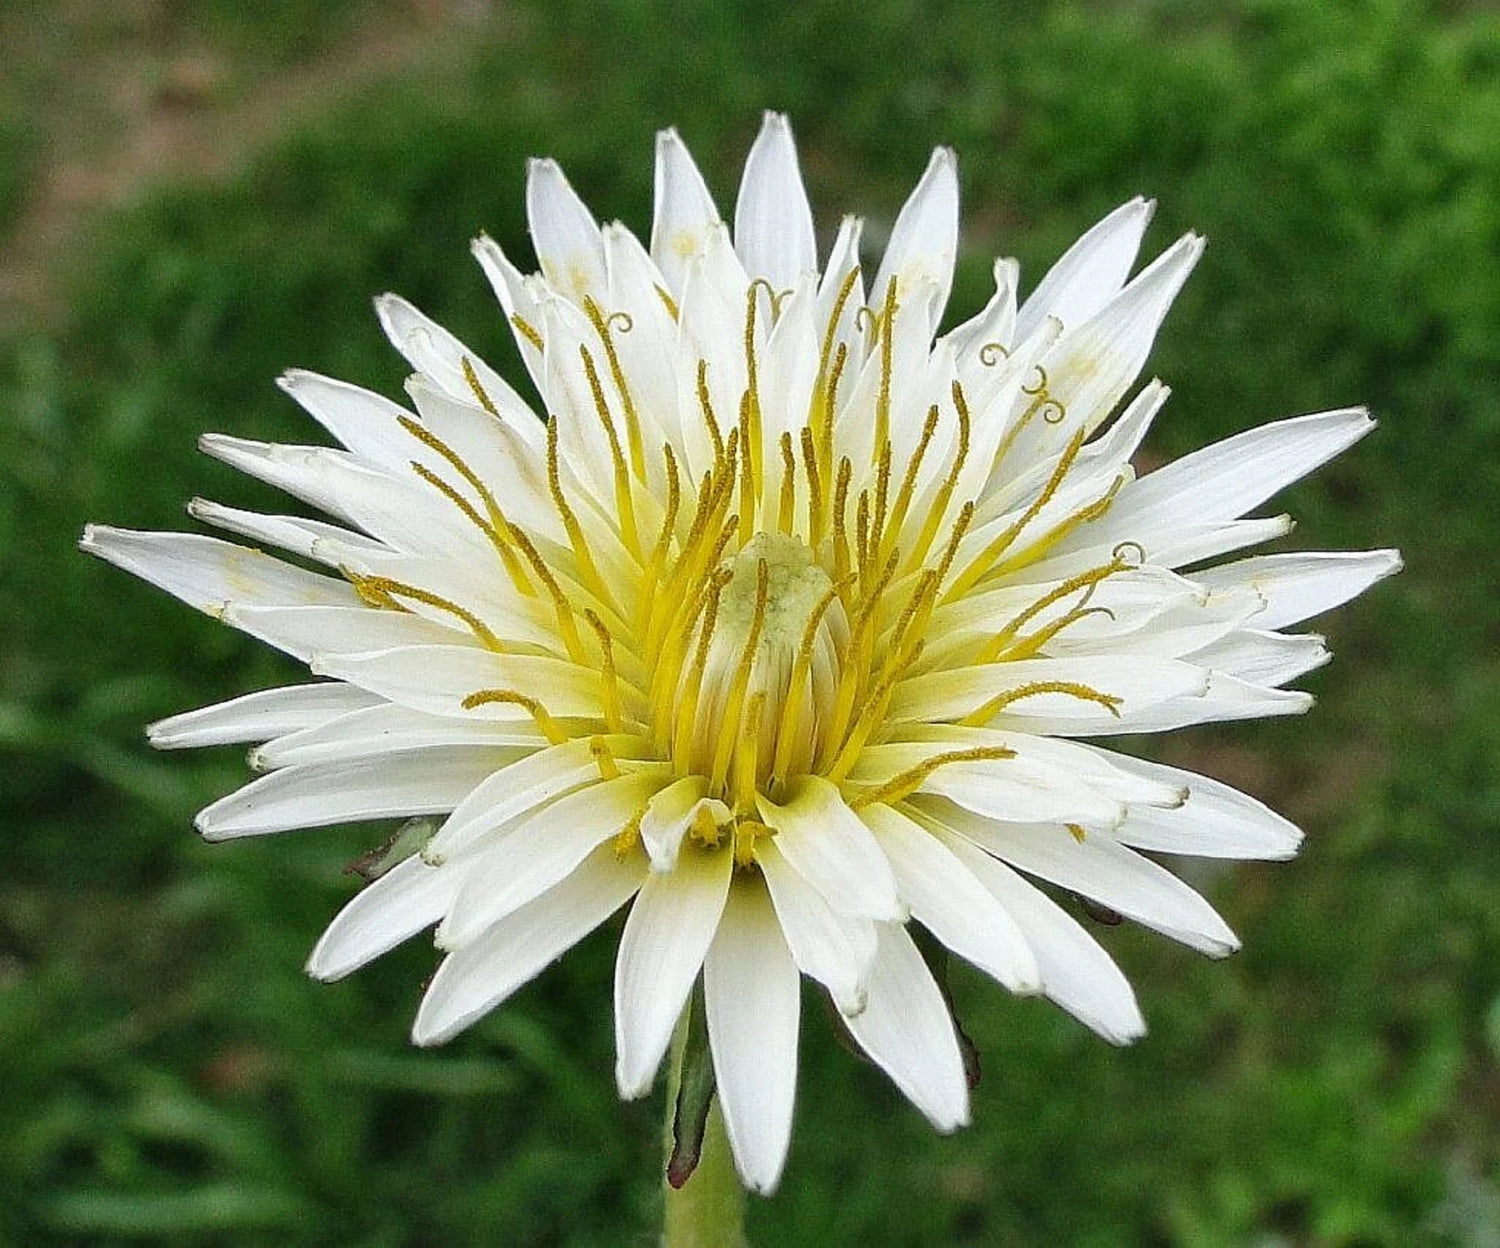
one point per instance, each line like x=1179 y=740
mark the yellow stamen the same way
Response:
x=735 y=703
x=580 y=545
x=609 y=681
x=624 y=503
x=907 y=782
x=1087 y=581
x=984 y=563
x=791 y=709
x=705 y=404
x=527 y=331
x=981 y=716
x=544 y=722
x=604 y=758
x=814 y=488
x=513 y=567
x=382 y=591
x=632 y=418
x=560 y=604
x=785 y=513
x=480 y=393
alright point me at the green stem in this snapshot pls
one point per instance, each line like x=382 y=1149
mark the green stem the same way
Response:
x=708 y=1211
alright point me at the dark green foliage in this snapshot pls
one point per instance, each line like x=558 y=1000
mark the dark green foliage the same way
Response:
x=171 y=1077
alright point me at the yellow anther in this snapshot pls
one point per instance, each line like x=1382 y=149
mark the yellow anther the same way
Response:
x=668 y=302
x=624 y=502
x=1084 y=693
x=983 y=564
x=785 y=513
x=545 y=723
x=472 y=378
x=560 y=604
x=576 y=539
x=527 y=330
x=814 y=488
x=909 y=479
x=1086 y=514
x=735 y=703
x=513 y=567
x=609 y=681
x=382 y=591
x=602 y=325
x=909 y=781
x=705 y=405
x=1076 y=829
x=839 y=302
x=887 y=335
x=1087 y=581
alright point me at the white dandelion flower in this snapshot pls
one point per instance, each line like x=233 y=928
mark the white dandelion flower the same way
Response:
x=779 y=629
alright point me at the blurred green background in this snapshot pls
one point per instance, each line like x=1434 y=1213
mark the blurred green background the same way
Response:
x=194 y=196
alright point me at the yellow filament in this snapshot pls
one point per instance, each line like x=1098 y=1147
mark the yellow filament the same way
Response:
x=939 y=506
x=907 y=782
x=748 y=437
x=513 y=567
x=909 y=479
x=1042 y=401
x=825 y=433
x=870 y=715
x=746 y=833
x=527 y=330
x=707 y=407
x=608 y=679
x=472 y=378
x=1087 y=581
x=624 y=502
x=814 y=488
x=560 y=603
x=978 y=718
x=791 y=709
x=984 y=562
x=750 y=405
x=574 y=530
x=604 y=759
x=647 y=606
x=882 y=497
x=667 y=301
x=612 y=355
x=735 y=703
x=1028 y=646
x=840 y=508
x=382 y=591
x=747 y=755
x=1084 y=515
x=544 y=722
x=786 y=509
x=883 y=398
x=687 y=707
x=840 y=300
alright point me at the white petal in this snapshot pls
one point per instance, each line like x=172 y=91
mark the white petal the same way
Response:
x=395 y=907
x=384 y=727
x=356 y=629
x=520 y=788
x=833 y=851
x=1226 y=699
x=753 y=1002
x=1090 y=273
x=945 y=898
x=437 y=679
x=1076 y=972
x=1264 y=658
x=476 y=979
x=836 y=951
x=773 y=225
x=414 y=782
x=924 y=241
x=1100 y=868
x=432 y=350
x=259 y=716
x=1230 y=478
x=1299 y=586
x=1216 y=821
x=684 y=212
x=365 y=422
x=209 y=574
x=564 y=232
x=666 y=937
x=1140 y=684
x=329 y=544
x=906 y=1030
x=540 y=852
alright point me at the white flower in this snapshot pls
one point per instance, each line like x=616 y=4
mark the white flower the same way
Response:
x=778 y=630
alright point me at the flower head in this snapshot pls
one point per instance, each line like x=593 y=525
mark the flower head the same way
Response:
x=778 y=628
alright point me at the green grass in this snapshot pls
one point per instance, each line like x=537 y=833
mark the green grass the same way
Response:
x=172 y=1078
